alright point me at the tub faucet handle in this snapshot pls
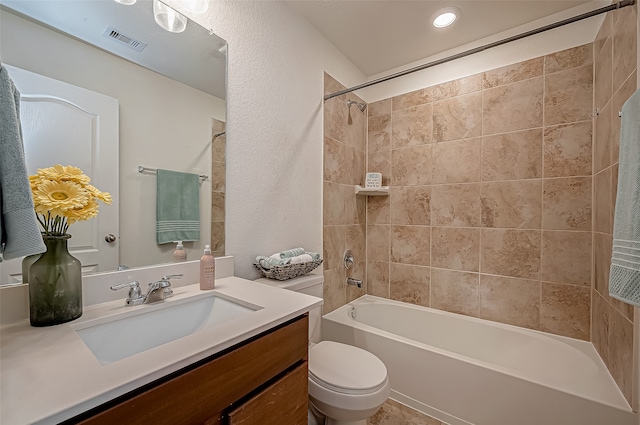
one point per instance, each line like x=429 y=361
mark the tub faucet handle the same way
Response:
x=348 y=259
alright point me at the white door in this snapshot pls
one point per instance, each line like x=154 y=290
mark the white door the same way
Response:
x=68 y=125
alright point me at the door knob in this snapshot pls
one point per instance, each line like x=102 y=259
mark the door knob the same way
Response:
x=110 y=238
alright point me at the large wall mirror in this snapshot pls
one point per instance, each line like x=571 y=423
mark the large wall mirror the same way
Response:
x=168 y=91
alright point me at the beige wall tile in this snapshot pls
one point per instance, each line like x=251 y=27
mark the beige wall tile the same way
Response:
x=603 y=33
x=510 y=253
x=355 y=240
x=378 y=210
x=334 y=160
x=514 y=204
x=333 y=246
x=217 y=206
x=380 y=107
x=411 y=166
x=625 y=46
x=354 y=206
x=217 y=237
x=218 y=177
x=566 y=203
x=600 y=325
x=379 y=130
x=457 y=292
x=625 y=309
x=333 y=207
x=411 y=245
x=458 y=117
x=567 y=150
x=602 y=141
x=412 y=127
x=458 y=87
x=331 y=85
x=621 y=96
x=335 y=118
x=354 y=164
x=614 y=191
x=603 y=85
x=512 y=301
x=565 y=310
x=380 y=162
x=333 y=290
x=602 y=262
x=410 y=205
x=409 y=283
x=516 y=106
x=455 y=205
x=455 y=248
x=569 y=58
x=457 y=162
x=568 y=96
x=621 y=351
x=512 y=156
x=602 y=202
x=513 y=73
x=414 y=98
x=378 y=278
x=355 y=131
x=566 y=257
x=378 y=240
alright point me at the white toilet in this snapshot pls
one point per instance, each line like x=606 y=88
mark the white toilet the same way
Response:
x=346 y=384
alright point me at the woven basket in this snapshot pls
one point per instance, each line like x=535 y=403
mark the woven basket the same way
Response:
x=289 y=271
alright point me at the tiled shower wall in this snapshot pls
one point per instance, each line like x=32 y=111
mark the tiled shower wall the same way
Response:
x=343 y=211
x=489 y=212
x=615 y=55
x=218 y=184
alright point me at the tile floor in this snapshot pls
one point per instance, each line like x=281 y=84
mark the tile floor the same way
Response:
x=394 y=413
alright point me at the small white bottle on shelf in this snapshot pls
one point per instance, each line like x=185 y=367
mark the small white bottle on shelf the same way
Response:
x=207 y=270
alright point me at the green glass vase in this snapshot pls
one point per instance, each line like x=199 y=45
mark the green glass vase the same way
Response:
x=26 y=265
x=55 y=285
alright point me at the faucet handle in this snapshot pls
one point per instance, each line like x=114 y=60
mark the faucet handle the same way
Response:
x=174 y=276
x=135 y=294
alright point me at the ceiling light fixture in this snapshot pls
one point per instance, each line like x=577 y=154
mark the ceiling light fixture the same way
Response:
x=127 y=2
x=168 y=18
x=196 y=6
x=445 y=17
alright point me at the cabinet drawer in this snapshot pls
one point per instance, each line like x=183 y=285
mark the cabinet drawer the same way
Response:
x=201 y=393
x=282 y=403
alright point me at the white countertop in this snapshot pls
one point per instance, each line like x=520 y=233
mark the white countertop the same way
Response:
x=48 y=374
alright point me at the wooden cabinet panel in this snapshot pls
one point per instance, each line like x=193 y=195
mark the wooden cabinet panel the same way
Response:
x=197 y=396
x=282 y=403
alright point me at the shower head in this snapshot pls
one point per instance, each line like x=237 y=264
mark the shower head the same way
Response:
x=361 y=106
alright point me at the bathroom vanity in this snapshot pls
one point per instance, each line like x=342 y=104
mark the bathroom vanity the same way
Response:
x=247 y=367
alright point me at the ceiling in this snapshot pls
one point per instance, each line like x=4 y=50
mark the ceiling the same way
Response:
x=380 y=35
x=166 y=53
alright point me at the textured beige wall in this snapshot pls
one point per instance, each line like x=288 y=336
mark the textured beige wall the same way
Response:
x=615 y=79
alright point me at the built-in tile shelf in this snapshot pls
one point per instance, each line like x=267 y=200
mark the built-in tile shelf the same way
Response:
x=367 y=191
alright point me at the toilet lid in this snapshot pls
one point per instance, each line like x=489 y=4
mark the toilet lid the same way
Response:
x=345 y=368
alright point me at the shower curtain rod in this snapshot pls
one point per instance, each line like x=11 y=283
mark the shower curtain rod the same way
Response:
x=577 y=18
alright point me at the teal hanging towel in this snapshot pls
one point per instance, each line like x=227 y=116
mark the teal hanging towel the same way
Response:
x=178 y=207
x=624 y=277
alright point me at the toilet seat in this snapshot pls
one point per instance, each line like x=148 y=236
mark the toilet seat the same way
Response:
x=346 y=369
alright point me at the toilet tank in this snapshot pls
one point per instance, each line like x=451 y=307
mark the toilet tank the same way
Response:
x=310 y=284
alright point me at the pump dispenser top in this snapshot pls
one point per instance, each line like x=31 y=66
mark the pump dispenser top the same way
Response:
x=179 y=255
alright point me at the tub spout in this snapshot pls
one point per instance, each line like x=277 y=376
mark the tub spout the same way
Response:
x=354 y=282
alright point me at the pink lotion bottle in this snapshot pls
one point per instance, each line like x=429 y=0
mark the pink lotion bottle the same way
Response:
x=207 y=270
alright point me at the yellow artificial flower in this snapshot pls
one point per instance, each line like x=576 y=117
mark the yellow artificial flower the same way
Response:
x=57 y=197
x=64 y=173
x=85 y=213
x=34 y=181
x=102 y=196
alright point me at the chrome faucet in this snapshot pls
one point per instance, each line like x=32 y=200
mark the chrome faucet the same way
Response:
x=157 y=291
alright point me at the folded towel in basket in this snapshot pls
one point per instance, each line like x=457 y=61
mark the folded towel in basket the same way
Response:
x=268 y=262
x=304 y=258
x=291 y=252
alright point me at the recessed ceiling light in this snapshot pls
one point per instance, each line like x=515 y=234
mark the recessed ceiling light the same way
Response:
x=445 y=17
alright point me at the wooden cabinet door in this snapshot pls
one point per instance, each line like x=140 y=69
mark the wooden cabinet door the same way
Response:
x=282 y=403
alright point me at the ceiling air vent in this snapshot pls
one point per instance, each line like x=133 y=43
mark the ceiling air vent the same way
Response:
x=132 y=43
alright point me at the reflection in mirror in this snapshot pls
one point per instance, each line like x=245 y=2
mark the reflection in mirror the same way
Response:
x=169 y=114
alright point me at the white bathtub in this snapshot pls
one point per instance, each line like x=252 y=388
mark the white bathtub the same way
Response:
x=463 y=370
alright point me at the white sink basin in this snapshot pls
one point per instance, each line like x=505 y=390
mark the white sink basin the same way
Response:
x=115 y=338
